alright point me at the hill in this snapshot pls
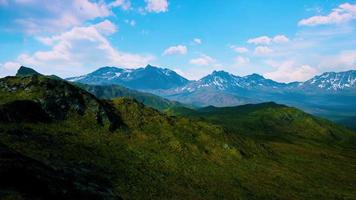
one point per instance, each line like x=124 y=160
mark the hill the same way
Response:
x=114 y=91
x=74 y=145
x=269 y=120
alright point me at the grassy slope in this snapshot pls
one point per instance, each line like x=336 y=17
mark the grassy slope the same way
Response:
x=152 y=155
x=310 y=151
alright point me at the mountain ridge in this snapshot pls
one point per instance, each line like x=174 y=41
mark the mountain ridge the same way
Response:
x=249 y=81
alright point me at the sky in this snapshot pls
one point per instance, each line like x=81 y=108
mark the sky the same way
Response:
x=282 y=40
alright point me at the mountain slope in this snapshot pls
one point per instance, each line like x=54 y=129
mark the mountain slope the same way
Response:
x=148 y=78
x=269 y=119
x=122 y=149
x=114 y=91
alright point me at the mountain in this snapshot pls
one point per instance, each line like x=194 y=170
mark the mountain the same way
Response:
x=315 y=96
x=331 y=95
x=269 y=119
x=167 y=81
x=25 y=71
x=148 y=78
x=331 y=81
x=224 y=81
x=114 y=91
x=221 y=89
x=57 y=141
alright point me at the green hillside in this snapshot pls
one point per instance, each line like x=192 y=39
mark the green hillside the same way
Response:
x=58 y=141
x=269 y=120
x=114 y=91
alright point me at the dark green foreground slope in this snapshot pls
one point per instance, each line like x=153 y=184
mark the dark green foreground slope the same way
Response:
x=59 y=142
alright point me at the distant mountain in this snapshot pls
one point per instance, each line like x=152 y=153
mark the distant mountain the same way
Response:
x=224 y=81
x=166 y=81
x=331 y=81
x=148 y=78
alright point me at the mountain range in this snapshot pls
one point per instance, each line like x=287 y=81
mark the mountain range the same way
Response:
x=58 y=141
x=155 y=78
x=331 y=94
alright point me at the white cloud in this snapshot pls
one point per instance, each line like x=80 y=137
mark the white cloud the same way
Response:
x=289 y=71
x=197 y=41
x=45 y=40
x=262 y=50
x=239 y=49
x=265 y=40
x=106 y=27
x=157 y=6
x=345 y=60
x=57 y=15
x=176 y=50
x=259 y=40
x=203 y=60
x=67 y=55
x=343 y=13
x=280 y=39
x=239 y=60
x=124 y=4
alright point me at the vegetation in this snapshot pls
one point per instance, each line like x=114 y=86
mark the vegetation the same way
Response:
x=114 y=91
x=81 y=147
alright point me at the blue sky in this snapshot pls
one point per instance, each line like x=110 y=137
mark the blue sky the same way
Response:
x=282 y=40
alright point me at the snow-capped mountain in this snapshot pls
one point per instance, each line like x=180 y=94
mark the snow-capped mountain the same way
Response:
x=224 y=81
x=148 y=78
x=166 y=81
x=331 y=81
x=219 y=80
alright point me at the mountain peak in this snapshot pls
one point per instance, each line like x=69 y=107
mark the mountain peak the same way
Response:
x=220 y=73
x=255 y=76
x=26 y=71
x=106 y=69
x=151 y=67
